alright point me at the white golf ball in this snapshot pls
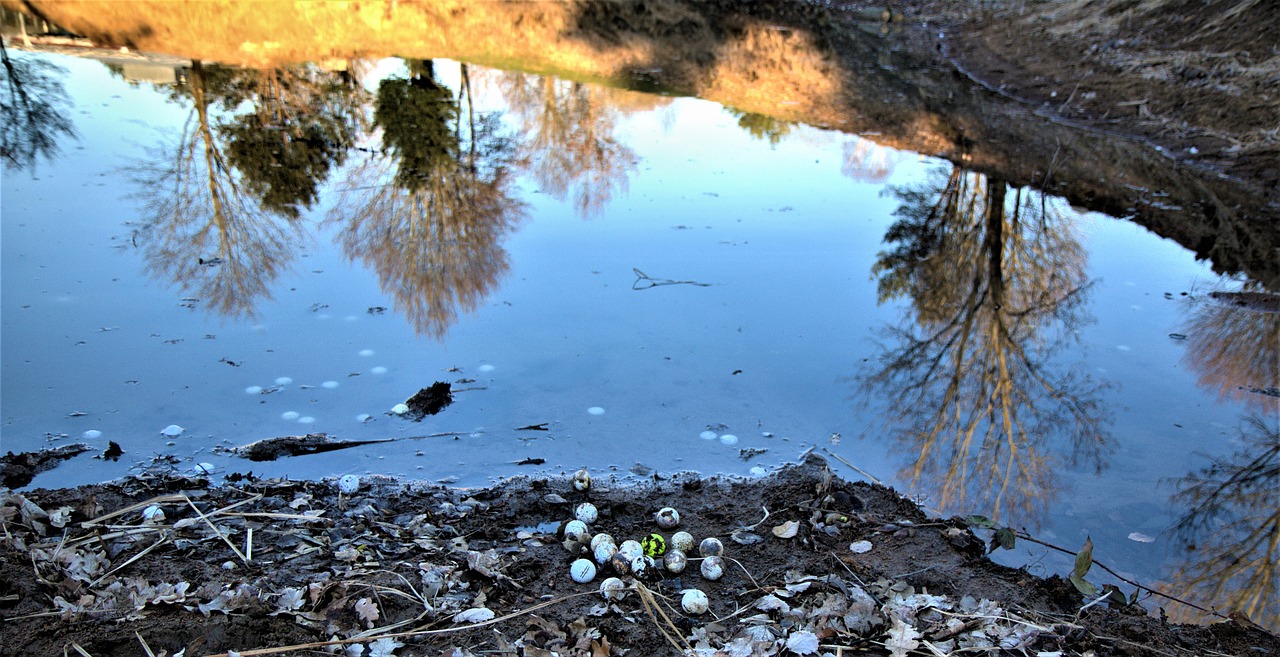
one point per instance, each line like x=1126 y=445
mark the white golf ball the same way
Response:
x=349 y=484
x=582 y=571
x=613 y=589
x=694 y=602
x=586 y=512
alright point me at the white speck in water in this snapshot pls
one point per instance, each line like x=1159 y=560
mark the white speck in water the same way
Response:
x=378 y=370
x=595 y=410
x=290 y=415
x=400 y=409
x=329 y=384
x=363 y=417
x=487 y=368
x=306 y=419
x=707 y=435
x=92 y=433
x=729 y=439
x=254 y=390
x=172 y=431
x=366 y=352
x=283 y=381
x=1123 y=347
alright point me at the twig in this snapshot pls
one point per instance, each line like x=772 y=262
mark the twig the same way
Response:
x=143 y=553
x=1027 y=537
x=397 y=635
x=855 y=468
x=217 y=531
x=642 y=277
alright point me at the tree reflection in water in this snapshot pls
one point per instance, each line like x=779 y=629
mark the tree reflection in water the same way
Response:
x=222 y=203
x=996 y=288
x=429 y=213
x=1232 y=522
x=33 y=104
x=568 y=140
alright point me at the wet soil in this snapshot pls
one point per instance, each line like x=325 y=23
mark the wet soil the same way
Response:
x=168 y=565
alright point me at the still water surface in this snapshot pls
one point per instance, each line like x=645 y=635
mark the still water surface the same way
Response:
x=652 y=280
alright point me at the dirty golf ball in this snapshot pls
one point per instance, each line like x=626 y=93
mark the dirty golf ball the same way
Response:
x=654 y=545
x=582 y=571
x=153 y=514
x=711 y=547
x=620 y=563
x=643 y=567
x=348 y=484
x=712 y=568
x=581 y=480
x=602 y=537
x=675 y=561
x=603 y=551
x=586 y=512
x=682 y=541
x=632 y=549
x=667 y=518
x=613 y=589
x=694 y=602
x=576 y=531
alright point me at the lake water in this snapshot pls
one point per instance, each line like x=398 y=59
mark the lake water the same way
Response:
x=645 y=279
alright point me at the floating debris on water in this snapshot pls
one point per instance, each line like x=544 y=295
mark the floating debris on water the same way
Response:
x=596 y=410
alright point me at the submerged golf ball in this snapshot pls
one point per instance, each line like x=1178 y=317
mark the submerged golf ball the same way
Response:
x=576 y=531
x=172 y=431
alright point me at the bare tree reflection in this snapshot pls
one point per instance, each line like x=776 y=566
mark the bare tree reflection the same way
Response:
x=222 y=203
x=33 y=103
x=569 y=144
x=996 y=286
x=429 y=214
x=1232 y=526
x=1233 y=343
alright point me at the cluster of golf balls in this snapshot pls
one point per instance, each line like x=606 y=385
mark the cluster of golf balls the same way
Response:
x=643 y=559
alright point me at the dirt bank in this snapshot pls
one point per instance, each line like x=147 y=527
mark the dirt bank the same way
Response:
x=814 y=565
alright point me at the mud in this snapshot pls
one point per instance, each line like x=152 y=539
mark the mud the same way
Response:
x=173 y=565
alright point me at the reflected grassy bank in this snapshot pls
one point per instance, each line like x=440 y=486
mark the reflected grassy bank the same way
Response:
x=780 y=60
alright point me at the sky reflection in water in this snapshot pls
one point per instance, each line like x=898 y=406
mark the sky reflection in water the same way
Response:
x=185 y=262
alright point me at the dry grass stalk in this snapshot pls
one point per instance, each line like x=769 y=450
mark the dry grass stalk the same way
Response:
x=400 y=635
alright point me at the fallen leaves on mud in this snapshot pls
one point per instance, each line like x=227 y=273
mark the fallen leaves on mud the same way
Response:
x=275 y=566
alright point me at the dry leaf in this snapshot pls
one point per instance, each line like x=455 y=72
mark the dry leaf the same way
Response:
x=787 y=529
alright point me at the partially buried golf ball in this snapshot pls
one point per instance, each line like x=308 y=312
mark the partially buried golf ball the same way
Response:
x=667 y=518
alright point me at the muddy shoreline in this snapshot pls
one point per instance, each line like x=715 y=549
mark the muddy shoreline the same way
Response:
x=815 y=565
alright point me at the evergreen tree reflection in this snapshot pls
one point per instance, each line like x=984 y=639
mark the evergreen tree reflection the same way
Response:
x=222 y=203
x=430 y=212
x=568 y=142
x=996 y=288
x=33 y=103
